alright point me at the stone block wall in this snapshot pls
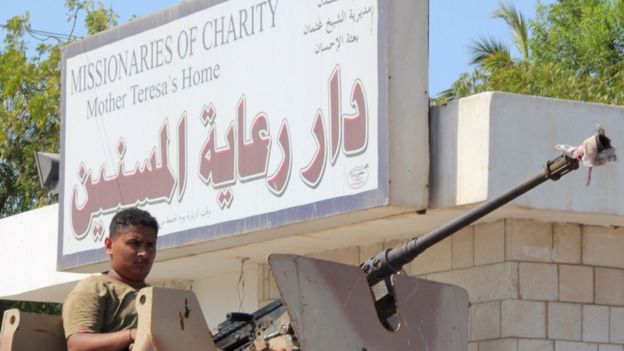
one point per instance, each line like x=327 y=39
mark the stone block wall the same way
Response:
x=532 y=285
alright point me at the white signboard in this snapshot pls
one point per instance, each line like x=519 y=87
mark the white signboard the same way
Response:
x=221 y=120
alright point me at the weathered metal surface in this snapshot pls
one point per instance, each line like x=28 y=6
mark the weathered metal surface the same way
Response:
x=241 y=330
x=23 y=331
x=278 y=336
x=332 y=308
x=171 y=320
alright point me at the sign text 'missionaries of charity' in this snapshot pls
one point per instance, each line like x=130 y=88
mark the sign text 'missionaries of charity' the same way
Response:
x=237 y=117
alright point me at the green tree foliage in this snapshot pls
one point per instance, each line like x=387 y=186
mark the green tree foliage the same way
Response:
x=28 y=306
x=98 y=18
x=29 y=102
x=29 y=112
x=576 y=52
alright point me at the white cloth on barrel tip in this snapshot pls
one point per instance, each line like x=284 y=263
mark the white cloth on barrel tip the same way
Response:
x=593 y=152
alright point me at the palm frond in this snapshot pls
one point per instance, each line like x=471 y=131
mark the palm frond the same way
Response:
x=445 y=96
x=518 y=24
x=463 y=86
x=485 y=48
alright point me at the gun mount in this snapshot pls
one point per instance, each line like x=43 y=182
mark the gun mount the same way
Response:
x=329 y=278
x=323 y=305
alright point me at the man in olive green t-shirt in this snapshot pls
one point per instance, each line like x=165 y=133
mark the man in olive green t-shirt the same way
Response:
x=99 y=313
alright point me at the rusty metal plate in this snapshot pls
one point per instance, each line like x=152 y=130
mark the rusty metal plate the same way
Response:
x=171 y=320
x=23 y=331
x=332 y=308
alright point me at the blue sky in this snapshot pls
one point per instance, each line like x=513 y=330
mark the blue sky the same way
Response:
x=453 y=24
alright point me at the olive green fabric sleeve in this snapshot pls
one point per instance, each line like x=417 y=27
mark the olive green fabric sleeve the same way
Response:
x=99 y=304
x=83 y=310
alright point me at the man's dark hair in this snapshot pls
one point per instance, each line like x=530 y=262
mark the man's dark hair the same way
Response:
x=132 y=216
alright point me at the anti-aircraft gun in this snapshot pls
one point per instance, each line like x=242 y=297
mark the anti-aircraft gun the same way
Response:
x=323 y=305
x=329 y=306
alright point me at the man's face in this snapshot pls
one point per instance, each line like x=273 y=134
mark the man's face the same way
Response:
x=132 y=252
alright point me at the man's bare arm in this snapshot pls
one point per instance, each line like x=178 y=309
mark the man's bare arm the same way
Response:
x=115 y=341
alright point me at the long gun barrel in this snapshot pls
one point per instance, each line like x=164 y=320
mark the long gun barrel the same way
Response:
x=391 y=261
x=237 y=334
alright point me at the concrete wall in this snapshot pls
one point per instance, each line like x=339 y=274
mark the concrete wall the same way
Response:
x=484 y=144
x=539 y=286
x=28 y=243
x=228 y=292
